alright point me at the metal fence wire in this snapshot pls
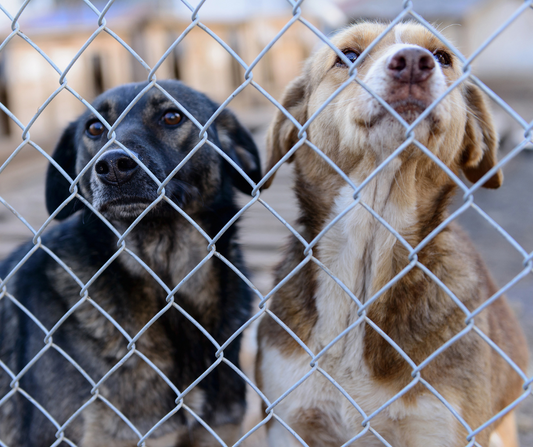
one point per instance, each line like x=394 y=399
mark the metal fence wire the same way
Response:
x=100 y=27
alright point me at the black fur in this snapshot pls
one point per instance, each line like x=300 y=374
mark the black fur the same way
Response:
x=215 y=296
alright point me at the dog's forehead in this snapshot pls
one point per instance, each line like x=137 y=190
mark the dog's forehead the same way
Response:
x=153 y=101
x=416 y=34
x=113 y=102
x=363 y=35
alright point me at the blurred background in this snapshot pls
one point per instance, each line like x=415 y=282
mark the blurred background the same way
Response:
x=60 y=28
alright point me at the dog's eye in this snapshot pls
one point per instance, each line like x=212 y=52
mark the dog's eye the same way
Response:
x=350 y=54
x=443 y=58
x=95 y=128
x=171 y=118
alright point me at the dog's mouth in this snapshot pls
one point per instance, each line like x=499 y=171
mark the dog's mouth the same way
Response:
x=125 y=205
x=130 y=201
x=409 y=106
x=409 y=109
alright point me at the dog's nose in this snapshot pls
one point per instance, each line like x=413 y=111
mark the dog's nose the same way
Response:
x=115 y=167
x=411 y=65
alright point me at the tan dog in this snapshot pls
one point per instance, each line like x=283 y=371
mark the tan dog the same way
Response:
x=409 y=69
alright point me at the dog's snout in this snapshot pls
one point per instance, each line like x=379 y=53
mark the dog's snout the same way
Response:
x=115 y=167
x=411 y=65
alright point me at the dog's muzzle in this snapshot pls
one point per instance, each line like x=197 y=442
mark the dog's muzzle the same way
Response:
x=115 y=167
x=411 y=74
x=411 y=66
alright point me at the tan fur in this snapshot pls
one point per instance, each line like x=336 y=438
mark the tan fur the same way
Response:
x=412 y=194
x=505 y=434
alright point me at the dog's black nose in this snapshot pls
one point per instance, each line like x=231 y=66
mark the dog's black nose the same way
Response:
x=411 y=65
x=115 y=167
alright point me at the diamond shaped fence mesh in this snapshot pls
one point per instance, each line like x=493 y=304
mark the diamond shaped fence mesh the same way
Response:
x=79 y=422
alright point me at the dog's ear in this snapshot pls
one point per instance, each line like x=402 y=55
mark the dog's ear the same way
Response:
x=57 y=187
x=283 y=134
x=480 y=142
x=237 y=142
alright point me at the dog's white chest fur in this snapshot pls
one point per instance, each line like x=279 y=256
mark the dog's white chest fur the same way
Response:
x=355 y=249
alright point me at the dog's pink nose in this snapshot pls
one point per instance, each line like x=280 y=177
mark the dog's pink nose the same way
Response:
x=411 y=65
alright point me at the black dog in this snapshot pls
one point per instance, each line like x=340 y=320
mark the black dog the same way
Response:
x=93 y=357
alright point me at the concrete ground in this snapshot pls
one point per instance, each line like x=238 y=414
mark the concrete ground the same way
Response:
x=262 y=235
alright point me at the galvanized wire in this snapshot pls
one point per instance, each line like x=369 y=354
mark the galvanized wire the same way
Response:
x=297 y=16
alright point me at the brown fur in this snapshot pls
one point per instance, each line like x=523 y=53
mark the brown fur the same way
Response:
x=415 y=312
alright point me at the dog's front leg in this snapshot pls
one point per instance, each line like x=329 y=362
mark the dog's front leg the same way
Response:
x=200 y=437
x=505 y=434
x=279 y=435
x=102 y=427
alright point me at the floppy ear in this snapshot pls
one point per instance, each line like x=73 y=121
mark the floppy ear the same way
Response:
x=237 y=142
x=57 y=187
x=282 y=133
x=480 y=143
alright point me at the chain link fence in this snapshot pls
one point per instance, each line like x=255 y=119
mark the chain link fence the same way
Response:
x=408 y=12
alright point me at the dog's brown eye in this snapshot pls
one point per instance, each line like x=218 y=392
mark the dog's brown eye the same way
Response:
x=350 y=54
x=95 y=128
x=443 y=58
x=171 y=118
